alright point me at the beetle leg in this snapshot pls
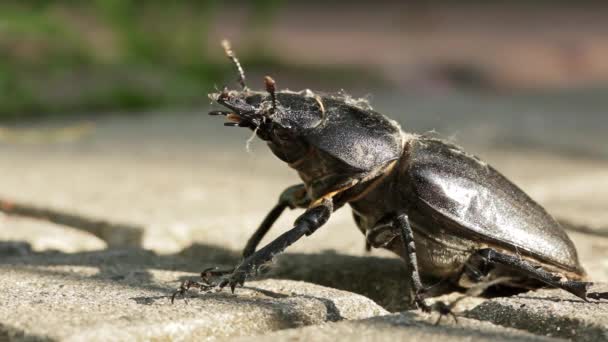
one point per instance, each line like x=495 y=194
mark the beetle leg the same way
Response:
x=402 y=223
x=204 y=285
x=292 y=197
x=444 y=310
x=264 y=227
x=577 y=288
x=305 y=224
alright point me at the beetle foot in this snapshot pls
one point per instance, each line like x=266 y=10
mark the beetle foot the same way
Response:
x=578 y=288
x=443 y=310
x=236 y=278
x=187 y=285
x=204 y=285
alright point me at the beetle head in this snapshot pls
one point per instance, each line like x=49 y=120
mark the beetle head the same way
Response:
x=278 y=117
x=281 y=119
x=322 y=134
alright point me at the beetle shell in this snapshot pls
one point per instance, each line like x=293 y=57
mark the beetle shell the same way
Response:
x=458 y=204
x=470 y=198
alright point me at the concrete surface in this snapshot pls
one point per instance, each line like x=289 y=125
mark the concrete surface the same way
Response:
x=549 y=312
x=116 y=301
x=178 y=193
x=407 y=326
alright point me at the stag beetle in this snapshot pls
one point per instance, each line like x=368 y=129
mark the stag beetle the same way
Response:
x=448 y=214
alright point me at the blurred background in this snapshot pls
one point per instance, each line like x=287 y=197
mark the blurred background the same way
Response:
x=527 y=73
x=103 y=115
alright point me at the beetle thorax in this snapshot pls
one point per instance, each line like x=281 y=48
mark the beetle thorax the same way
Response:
x=321 y=173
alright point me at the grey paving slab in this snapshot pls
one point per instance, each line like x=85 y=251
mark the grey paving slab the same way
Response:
x=401 y=327
x=550 y=312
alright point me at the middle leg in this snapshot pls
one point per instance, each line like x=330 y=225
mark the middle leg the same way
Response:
x=402 y=224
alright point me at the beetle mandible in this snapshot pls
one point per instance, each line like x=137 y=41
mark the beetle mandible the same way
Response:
x=448 y=214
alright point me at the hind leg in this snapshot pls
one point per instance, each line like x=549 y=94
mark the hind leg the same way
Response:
x=485 y=259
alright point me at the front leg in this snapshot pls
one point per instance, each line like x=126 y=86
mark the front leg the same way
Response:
x=293 y=197
x=306 y=224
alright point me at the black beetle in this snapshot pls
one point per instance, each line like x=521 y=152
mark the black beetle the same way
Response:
x=447 y=213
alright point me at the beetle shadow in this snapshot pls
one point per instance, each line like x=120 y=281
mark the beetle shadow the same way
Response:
x=114 y=234
x=381 y=279
x=333 y=313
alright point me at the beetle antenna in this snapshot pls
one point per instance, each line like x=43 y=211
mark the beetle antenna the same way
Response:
x=271 y=89
x=230 y=54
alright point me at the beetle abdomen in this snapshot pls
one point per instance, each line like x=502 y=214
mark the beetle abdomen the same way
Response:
x=481 y=203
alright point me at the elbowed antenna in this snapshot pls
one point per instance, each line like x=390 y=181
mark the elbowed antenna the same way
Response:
x=271 y=89
x=230 y=54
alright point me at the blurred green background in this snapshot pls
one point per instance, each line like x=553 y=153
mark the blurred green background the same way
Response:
x=61 y=57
